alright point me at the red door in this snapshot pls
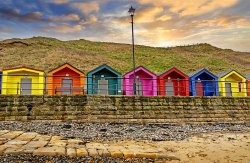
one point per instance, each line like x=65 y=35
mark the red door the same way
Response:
x=199 y=89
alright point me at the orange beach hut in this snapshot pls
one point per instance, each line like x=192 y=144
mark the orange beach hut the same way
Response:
x=65 y=79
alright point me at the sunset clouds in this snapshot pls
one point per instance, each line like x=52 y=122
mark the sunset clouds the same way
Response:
x=192 y=7
x=223 y=23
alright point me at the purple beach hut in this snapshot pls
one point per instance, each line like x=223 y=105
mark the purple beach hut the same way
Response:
x=145 y=82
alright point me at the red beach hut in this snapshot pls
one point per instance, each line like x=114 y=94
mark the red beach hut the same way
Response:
x=173 y=82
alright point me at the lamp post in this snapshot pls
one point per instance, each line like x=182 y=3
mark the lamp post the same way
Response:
x=131 y=12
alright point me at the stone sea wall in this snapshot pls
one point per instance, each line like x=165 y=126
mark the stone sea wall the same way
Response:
x=125 y=109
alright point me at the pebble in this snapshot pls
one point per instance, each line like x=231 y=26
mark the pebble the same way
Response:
x=113 y=131
x=28 y=158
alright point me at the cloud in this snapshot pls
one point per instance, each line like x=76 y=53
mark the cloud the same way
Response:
x=148 y=14
x=87 y=7
x=5 y=29
x=63 y=28
x=164 y=18
x=65 y=18
x=194 y=7
x=224 y=21
x=90 y=20
x=13 y=14
x=57 y=1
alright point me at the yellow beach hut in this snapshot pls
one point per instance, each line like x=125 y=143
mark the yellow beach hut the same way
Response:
x=22 y=80
x=232 y=83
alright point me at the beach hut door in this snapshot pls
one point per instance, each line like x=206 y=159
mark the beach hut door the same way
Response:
x=25 y=86
x=138 y=86
x=103 y=86
x=199 y=88
x=228 y=89
x=67 y=86
x=169 y=88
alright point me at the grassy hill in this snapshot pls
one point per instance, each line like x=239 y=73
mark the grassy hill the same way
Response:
x=47 y=53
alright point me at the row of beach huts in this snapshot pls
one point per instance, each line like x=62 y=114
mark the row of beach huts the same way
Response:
x=104 y=80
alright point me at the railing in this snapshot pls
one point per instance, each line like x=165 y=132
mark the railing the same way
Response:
x=76 y=85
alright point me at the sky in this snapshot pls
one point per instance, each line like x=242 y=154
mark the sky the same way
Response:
x=158 y=23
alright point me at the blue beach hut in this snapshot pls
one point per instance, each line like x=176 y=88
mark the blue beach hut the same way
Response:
x=203 y=83
x=104 y=80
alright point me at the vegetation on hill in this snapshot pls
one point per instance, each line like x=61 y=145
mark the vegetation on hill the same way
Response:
x=47 y=53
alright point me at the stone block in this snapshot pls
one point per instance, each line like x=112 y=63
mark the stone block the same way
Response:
x=146 y=155
x=81 y=152
x=71 y=152
x=50 y=151
x=2 y=149
x=93 y=152
x=12 y=134
x=36 y=144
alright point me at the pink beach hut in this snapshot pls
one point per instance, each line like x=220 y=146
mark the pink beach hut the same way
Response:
x=145 y=82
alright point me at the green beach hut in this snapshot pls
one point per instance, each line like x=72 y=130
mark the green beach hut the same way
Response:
x=104 y=80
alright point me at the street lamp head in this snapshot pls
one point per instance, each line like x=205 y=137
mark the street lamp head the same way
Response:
x=131 y=11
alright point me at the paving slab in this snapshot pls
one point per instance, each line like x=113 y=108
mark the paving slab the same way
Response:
x=13 y=151
x=194 y=149
x=50 y=151
x=4 y=132
x=27 y=136
x=71 y=152
x=11 y=135
x=81 y=152
x=2 y=149
x=92 y=152
x=36 y=144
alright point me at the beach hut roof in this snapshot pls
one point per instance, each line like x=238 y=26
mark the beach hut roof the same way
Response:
x=171 y=68
x=102 y=67
x=223 y=74
x=64 y=65
x=141 y=68
x=198 y=72
x=20 y=67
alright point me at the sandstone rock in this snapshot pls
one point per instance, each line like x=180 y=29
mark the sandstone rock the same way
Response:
x=3 y=132
x=81 y=152
x=146 y=155
x=12 y=134
x=103 y=152
x=42 y=138
x=26 y=136
x=71 y=152
x=16 y=142
x=2 y=149
x=92 y=152
x=13 y=151
x=95 y=146
x=59 y=143
x=128 y=154
x=168 y=156
x=50 y=151
x=36 y=144
x=116 y=154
